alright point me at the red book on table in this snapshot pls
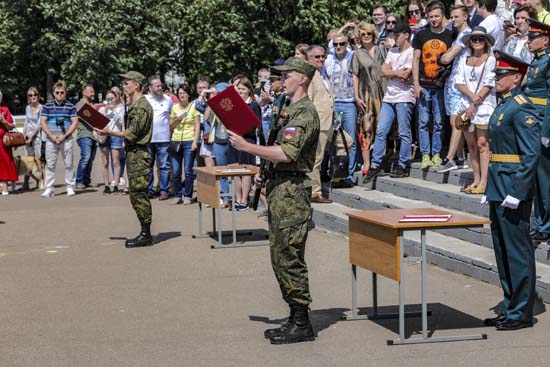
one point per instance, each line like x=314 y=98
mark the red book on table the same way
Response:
x=233 y=112
x=92 y=117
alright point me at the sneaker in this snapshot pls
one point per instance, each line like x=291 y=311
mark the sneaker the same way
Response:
x=241 y=207
x=399 y=172
x=187 y=201
x=80 y=186
x=48 y=193
x=461 y=163
x=176 y=201
x=263 y=213
x=426 y=162
x=436 y=160
x=106 y=190
x=447 y=167
x=371 y=176
x=70 y=191
x=115 y=190
x=5 y=193
x=122 y=181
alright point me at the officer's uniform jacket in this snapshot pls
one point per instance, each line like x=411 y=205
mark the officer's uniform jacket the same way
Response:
x=514 y=132
x=538 y=81
x=137 y=136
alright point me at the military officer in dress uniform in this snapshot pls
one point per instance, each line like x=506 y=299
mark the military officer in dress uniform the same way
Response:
x=289 y=196
x=514 y=132
x=537 y=88
x=137 y=135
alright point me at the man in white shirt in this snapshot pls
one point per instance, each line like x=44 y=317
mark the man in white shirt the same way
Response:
x=398 y=101
x=160 y=140
x=491 y=22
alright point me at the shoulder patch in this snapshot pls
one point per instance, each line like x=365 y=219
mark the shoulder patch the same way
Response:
x=520 y=99
x=289 y=134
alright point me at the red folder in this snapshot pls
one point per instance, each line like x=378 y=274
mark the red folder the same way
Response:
x=92 y=117
x=233 y=112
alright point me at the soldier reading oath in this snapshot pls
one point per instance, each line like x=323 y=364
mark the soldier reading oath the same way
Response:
x=291 y=157
x=137 y=136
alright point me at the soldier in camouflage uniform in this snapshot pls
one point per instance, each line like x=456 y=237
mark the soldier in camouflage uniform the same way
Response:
x=137 y=136
x=292 y=156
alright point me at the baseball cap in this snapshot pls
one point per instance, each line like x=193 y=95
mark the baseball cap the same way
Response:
x=220 y=87
x=298 y=65
x=402 y=27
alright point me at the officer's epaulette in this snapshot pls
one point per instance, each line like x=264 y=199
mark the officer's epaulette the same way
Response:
x=542 y=53
x=520 y=99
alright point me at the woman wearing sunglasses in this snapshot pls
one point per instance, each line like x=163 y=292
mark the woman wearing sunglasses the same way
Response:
x=475 y=79
x=32 y=132
x=368 y=86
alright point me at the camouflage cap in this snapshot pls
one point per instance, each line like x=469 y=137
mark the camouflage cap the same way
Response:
x=298 y=65
x=134 y=75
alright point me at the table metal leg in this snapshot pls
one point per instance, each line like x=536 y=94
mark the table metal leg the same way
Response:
x=401 y=289
x=424 y=338
x=200 y=234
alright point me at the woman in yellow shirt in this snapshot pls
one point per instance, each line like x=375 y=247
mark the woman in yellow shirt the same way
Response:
x=185 y=126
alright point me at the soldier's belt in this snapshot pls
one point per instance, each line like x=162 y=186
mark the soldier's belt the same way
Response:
x=538 y=101
x=505 y=158
x=284 y=174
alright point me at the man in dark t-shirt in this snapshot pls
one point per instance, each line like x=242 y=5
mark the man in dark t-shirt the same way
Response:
x=428 y=82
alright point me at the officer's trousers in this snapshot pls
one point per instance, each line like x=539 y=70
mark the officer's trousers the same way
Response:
x=515 y=258
x=541 y=222
x=288 y=213
x=138 y=187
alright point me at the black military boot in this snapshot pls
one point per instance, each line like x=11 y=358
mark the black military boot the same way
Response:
x=269 y=333
x=299 y=330
x=143 y=239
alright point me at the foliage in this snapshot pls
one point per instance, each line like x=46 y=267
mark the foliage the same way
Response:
x=85 y=41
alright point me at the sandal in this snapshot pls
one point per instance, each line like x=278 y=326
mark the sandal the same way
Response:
x=477 y=191
x=468 y=189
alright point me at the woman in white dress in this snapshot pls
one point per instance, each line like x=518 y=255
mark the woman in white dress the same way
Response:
x=475 y=80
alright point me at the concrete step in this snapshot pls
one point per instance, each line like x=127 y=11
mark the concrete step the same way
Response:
x=444 y=251
x=444 y=195
x=461 y=177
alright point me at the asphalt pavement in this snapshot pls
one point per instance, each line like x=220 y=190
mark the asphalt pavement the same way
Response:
x=72 y=295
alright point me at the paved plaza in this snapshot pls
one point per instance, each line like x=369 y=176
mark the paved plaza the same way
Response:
x=72 y=295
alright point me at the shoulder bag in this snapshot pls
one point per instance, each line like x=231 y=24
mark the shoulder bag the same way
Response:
x=463 y=122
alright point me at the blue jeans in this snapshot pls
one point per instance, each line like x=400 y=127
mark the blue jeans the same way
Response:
x=221 y=152
x=432 y=102
x=159 y=153
x=188 y=156
x=389 y=111
x=88 y=148
x=349 y=123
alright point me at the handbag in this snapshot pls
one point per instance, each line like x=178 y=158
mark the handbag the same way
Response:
x=339 y=164
x=13 y=139
x=463 y=122
x=173 y=147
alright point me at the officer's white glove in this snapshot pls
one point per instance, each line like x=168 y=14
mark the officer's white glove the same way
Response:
x=545 y=141
x=510 y=202
x=484 y=200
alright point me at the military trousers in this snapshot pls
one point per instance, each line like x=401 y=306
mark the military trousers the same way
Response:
x=541 y=222
x=289 y=205
x=515 y=258
x=139 y=198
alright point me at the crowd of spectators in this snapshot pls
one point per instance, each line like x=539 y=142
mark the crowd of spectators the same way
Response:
x=398 y=84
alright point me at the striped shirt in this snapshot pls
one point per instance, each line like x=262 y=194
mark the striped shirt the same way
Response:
x=54 y=111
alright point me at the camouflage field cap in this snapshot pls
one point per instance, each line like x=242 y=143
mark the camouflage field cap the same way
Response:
x=298 y=65
x=133 y=75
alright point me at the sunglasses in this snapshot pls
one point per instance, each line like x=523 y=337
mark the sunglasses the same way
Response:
x=32 y=95
x=319 y=56
x=394 y=22
x=412 y=12
x=59 y=92
x=363 y=34
x=477 y=40
x=338 y=44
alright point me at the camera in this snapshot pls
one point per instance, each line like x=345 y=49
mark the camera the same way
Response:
x=60 y=122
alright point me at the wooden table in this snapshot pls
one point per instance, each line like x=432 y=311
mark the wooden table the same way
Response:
x=376 y=244
x=208 y=192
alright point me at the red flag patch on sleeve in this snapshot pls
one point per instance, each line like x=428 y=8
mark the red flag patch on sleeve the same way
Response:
x=289 y=134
